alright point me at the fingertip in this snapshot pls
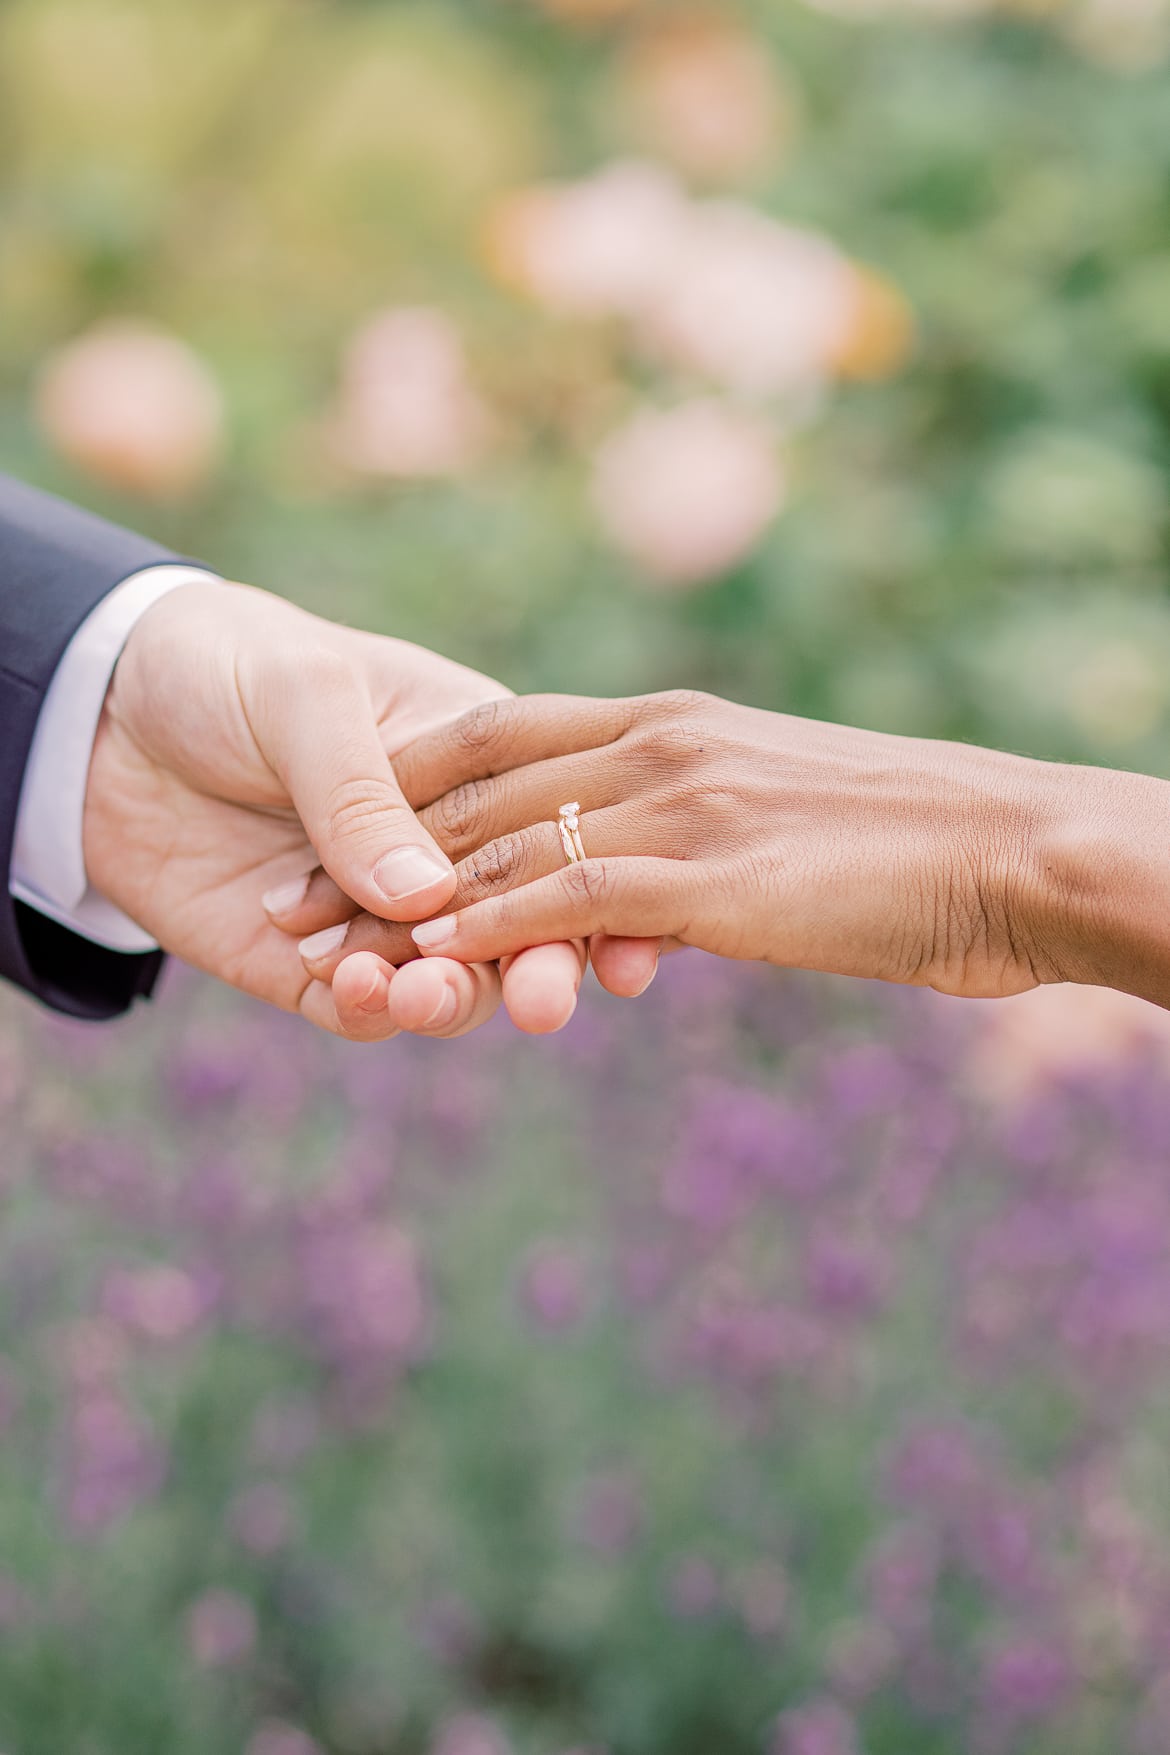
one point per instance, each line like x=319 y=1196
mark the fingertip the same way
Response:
x=320 y=1006
x=284 y=901
x=442 y=998
x=541 y=986
x=545 y=1016
x=361 y=984
x=625 y=967
x=413 y=882
x=308 y=904
x=433 y=936
x=360 y=994
x=320 y=951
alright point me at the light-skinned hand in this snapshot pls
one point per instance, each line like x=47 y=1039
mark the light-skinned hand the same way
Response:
x=242 y=742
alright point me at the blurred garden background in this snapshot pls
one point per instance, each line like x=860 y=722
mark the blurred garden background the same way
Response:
x=775 y=1367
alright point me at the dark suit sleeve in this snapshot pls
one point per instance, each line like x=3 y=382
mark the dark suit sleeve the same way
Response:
x=56 y=564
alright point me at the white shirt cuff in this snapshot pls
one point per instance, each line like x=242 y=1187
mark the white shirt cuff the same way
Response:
x=48 y=860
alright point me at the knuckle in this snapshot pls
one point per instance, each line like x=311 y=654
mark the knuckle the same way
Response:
x=477 y=730
x=358 y=806
x=456 y=815
x=498 y=866
x=588 y=883
x=678 y=743
x=675 y=731
x=681 y=703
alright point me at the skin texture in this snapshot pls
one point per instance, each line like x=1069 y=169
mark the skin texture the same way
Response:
x=758 y=835
x=243 y=742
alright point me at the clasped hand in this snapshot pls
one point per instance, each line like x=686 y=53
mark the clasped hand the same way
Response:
x=749 y=834
x=352 y=827
x=242 y=741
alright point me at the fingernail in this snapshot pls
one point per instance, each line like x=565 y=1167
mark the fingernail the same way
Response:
x=323 y=944
x=370 y=998
x=434 y=932
x=444 y=1011
x=285 y=897
x=408 y=870
x=648 y=981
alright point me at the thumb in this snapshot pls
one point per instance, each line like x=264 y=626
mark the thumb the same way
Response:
x=322 y=739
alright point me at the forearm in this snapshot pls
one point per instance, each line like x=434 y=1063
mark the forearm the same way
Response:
x=57 y=564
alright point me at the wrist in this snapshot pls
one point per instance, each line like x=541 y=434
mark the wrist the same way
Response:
x=143 y=680
x=1101 y=914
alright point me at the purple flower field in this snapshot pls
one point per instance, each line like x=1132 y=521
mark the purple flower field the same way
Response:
x=773 y=1366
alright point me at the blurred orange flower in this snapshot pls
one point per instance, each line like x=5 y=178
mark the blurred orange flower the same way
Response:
x=708 y=96
x=593 y=248
x=133 y=407
x=688 y=492
x=879 y=333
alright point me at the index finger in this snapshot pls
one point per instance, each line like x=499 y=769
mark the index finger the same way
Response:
x=622 y=898
x=500 y=735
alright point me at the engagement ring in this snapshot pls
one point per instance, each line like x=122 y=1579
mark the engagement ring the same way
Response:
x=570 y=827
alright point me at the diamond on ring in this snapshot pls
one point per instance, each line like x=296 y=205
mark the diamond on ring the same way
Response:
x=569 y=824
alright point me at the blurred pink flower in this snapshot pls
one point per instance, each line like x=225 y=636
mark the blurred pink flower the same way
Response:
x=937 y=1466
x=822 y=1727
x=718 y=288
x=707 y=95
x=687 y=493
x=595 y=248
x=470 y=1733
x=405 y=407
x=93 y=1350
x=133 y=407
x=275 y=1737
x=846 y=1278
x=1026 y=1679
x=1062 y=1032
x=161 y=1302
x=365 y=1292
x=757 y=306
x=554 y=1287
x=114 y=1459
x=221 y=1629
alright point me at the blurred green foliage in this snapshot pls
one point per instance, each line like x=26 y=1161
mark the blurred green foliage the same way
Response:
x=976 y=547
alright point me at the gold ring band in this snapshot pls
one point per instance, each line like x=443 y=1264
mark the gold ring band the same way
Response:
x=569 y=823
